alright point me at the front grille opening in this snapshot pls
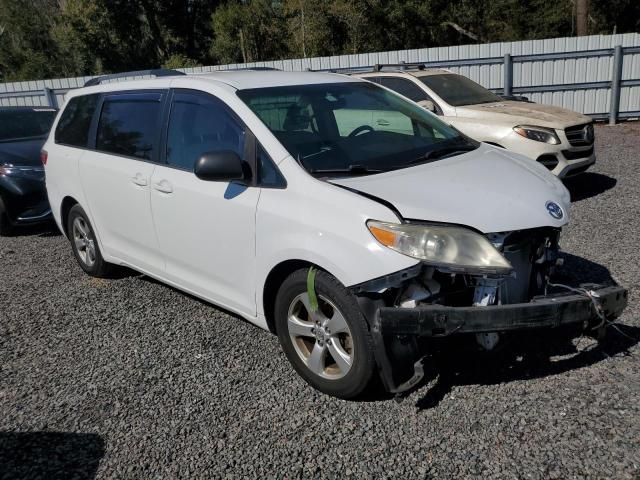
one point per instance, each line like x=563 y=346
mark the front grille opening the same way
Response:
x=573 y=155
x=548 y=160
x=580 y=135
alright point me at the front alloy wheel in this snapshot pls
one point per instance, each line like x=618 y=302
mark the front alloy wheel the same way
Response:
x=321 y=338
x=329 y=346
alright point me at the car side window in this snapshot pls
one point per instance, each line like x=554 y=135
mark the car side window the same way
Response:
x=129 y=124
x=75 y=121
x=404 y=87
x=198 y=124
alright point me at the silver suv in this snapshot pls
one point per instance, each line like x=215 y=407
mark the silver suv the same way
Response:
x=559 y=139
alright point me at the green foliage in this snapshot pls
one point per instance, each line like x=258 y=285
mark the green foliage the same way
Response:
x=179 y=60
x=248 y=31
x=57 y=38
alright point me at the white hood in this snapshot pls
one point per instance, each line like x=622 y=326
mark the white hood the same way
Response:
x=488 y=189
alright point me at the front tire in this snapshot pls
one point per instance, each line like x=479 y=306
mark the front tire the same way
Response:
x=85 y=245
x=330 y=348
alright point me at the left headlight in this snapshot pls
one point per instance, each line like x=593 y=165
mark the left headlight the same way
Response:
x=35 y=173
x=539 y=134
x=454 y=248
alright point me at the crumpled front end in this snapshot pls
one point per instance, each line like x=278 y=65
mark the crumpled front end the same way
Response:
x=429 y=302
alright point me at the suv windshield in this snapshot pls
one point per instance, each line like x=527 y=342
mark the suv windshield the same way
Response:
x=24 y=124
x=457 y=90
x=353 y=128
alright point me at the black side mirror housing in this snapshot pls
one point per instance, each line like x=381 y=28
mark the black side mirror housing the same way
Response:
x=225 y=166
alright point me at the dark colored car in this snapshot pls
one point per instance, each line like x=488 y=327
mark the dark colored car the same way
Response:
x=23 y=198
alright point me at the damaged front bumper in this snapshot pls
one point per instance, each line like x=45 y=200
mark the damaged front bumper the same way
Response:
x=392 y=326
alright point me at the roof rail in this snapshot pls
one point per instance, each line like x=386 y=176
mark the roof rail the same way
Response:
x=256 y=69
x=156 y=72
x=374 y=68
x=402 y=66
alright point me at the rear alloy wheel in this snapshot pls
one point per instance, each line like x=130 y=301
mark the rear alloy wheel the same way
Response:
x=84 y=244
x=329 y=346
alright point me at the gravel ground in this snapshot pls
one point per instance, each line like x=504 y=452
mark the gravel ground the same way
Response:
x=129 y=378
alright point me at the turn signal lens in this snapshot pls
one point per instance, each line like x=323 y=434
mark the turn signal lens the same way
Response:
x=44 y=156
x=385 y=237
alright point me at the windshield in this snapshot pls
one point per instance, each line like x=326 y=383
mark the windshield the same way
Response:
x=352 y=128
x=457 y=90
x=24 y=124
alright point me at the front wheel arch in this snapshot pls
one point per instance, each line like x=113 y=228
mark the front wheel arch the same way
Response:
x=272 y=284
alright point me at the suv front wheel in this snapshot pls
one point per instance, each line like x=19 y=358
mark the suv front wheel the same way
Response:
x=327 y=342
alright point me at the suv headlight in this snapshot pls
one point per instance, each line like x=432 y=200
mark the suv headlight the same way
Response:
x=454 y=248
x=539 y=134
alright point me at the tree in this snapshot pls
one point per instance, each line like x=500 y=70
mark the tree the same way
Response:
x=310 y=28
x=26 y=47
x=248 y=32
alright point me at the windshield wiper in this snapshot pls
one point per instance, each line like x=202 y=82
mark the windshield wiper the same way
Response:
x=351 y=169
x=440 y=153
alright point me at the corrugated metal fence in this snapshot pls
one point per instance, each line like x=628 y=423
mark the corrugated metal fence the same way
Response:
x=586 y=74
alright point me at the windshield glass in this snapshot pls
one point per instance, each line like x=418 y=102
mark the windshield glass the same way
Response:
x=19 y=124
x=352 y=128
x=457 y=90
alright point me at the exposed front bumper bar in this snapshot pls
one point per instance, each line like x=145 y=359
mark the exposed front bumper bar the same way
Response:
x=550 y=311
x=393 y=328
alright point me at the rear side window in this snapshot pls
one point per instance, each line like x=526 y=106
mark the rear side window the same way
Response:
x=73 y=127
x=403 y=87
x=200 y=124
x=129 y=124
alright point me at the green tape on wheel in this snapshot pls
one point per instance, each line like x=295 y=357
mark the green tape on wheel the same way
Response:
x=311 y=289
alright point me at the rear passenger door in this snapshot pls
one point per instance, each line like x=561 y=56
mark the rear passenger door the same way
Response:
x=206 y=229
x=116 y=176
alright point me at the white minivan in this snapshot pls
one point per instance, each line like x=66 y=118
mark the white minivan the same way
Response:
x=276 y=196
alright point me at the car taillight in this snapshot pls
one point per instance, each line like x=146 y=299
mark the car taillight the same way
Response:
x=44 y=156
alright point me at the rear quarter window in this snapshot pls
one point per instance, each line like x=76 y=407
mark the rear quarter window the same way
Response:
x=73 y=127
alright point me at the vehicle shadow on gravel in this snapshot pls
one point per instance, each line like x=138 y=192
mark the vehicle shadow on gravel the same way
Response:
x=527 y=355
x=50 y=455
x=47 y=229
x=588 y=184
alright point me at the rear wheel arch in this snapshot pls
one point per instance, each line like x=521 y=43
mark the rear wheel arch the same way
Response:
x=65 y=208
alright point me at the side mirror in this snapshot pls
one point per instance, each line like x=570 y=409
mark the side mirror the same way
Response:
x=223 y=166
x=428 y=105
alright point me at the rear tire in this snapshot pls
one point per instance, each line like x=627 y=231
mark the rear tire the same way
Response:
x=331 y=348
x=85 y=245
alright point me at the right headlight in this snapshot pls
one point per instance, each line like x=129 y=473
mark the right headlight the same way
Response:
x=539 y=134
x=454 y=248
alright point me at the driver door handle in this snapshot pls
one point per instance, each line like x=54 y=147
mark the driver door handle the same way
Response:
x=383 y=123
x=163 y=186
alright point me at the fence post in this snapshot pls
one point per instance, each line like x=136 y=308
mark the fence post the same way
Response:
x=508 y=75
x=50 y=97
x=616 y=77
